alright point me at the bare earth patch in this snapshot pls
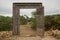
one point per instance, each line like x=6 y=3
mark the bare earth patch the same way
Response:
x=29 y=34
x=7 y=36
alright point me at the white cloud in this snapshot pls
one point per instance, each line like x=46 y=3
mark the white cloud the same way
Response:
x=51 y=6
x=27 y=0
x=27 y=12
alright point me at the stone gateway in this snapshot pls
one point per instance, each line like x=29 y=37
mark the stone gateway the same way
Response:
x=39 y=17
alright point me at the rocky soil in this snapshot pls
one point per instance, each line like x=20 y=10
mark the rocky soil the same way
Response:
x=30 y=35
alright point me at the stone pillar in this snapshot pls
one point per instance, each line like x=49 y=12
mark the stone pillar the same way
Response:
x=15 y=20
x=40 y=21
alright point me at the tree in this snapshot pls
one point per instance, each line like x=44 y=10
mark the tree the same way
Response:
x=33 y=20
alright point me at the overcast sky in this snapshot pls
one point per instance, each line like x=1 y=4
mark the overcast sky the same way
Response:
x=51 y=7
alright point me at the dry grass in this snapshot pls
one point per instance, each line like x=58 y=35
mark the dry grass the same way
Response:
x=7 y=35
x=54 y=33
x=51 y=34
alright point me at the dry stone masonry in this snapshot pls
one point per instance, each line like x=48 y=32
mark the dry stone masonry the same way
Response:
x=39 y=17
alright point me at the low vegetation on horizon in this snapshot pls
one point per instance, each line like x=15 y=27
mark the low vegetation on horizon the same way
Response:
x=51 y=22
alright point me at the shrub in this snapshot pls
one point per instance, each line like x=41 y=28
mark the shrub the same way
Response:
x=5 y=23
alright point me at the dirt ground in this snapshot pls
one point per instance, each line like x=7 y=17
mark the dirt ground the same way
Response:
x=25 y=30
x=26 y=33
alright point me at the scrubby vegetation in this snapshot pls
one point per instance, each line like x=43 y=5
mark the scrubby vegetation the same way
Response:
x=51 y=21
x=33 y=20
x=5 y=23
x=23 y=20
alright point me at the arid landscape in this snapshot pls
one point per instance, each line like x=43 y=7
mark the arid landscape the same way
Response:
x=29 y=20
x=28 y=34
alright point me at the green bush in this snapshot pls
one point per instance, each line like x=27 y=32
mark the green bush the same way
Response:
x=5 y=23
x=51 y=21
x=23 y=20
x=33 y=23
x=33 y=20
